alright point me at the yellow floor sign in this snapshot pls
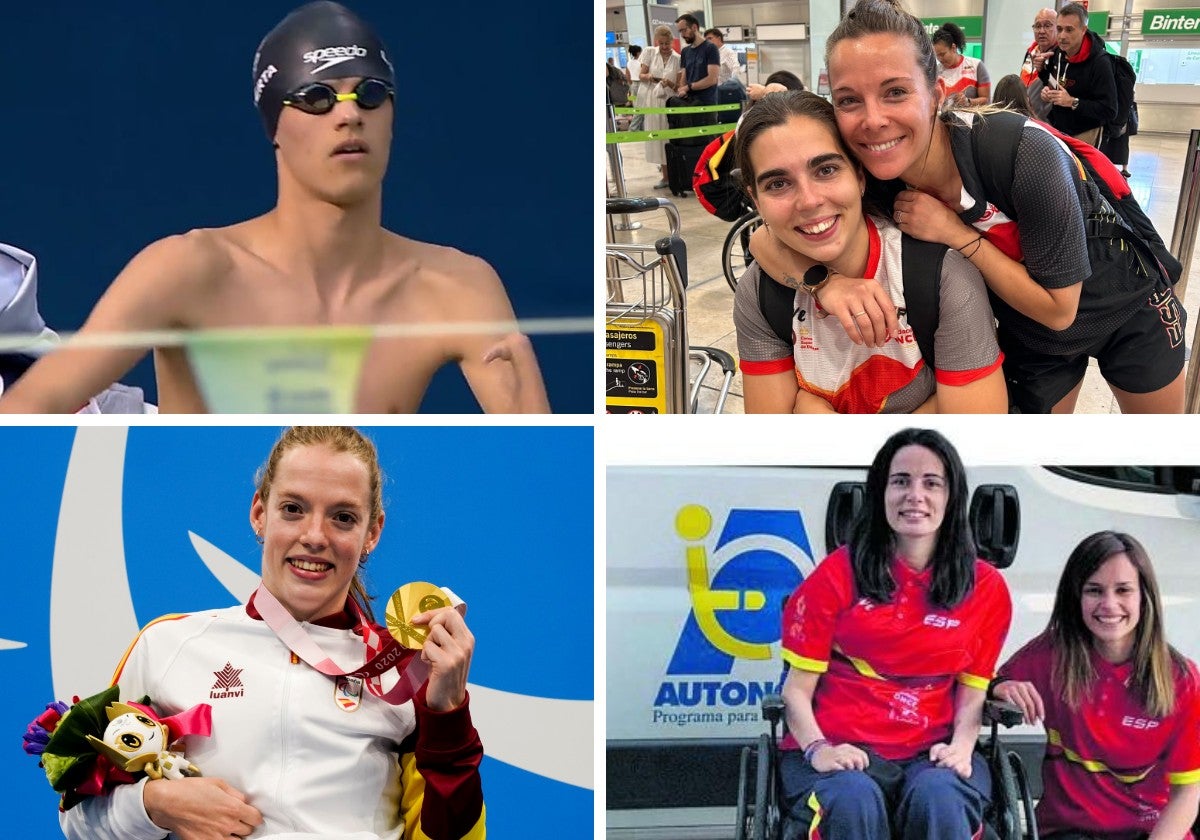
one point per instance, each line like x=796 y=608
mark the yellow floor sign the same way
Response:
x=635 y=367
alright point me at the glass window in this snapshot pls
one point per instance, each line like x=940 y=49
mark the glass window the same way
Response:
x=1145 y=479
x=1166 y=66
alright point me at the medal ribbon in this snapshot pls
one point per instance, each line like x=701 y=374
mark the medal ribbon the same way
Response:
x=383 y=654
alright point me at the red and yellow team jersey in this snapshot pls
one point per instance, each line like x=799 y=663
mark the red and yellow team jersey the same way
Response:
x=888 y=671
x=1109 y=764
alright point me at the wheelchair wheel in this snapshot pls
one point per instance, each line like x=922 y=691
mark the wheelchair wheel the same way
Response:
x=1005 y=816
x=1026 y=800
x=735 y=254
x=741 y=830
x=766 y=802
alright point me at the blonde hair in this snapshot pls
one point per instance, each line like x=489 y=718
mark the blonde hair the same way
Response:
x=339 y=439
x=660 y=31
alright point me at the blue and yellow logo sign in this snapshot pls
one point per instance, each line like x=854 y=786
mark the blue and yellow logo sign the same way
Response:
x=736 y=612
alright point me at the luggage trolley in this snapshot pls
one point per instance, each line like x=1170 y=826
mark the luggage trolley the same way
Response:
x=647 y=357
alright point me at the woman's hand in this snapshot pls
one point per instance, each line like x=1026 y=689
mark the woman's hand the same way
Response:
x=955 y=756
x=861 y=305
x=448 y=648
x=922 y=216
x=201 y=808
x=841 y=757
x=1024 y=696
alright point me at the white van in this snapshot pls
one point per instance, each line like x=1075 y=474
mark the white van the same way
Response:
x=700 y=560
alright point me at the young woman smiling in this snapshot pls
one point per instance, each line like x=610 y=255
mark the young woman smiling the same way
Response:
x=1120 y=705
x=809 y=189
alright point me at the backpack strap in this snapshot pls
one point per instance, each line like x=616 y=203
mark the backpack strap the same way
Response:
x=776 y=302
x=921 y=264
x=994 y=141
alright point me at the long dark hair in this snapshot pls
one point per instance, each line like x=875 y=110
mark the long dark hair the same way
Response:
x=872 y=542
x=1155 y=663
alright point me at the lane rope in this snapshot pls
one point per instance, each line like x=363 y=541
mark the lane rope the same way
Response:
x=149 y=339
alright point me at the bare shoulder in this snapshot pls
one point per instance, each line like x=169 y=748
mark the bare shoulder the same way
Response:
x=186 y=258
x=461 y=283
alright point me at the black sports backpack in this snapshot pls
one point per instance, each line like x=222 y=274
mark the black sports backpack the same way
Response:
x=996 y=158
x=921 y=265
x=1125 y=77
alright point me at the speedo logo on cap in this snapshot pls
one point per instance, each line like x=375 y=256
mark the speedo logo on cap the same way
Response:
x=331 y=56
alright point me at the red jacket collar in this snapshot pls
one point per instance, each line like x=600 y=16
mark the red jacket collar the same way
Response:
x=1085 y=50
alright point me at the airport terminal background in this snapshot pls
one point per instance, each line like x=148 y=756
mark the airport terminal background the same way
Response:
x=770 y=36
x=136 y=121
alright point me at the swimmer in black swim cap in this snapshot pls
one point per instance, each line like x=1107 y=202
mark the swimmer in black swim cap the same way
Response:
x=321 y=256
x=316 y=43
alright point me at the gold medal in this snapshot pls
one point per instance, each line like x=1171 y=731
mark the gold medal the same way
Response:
x=407 y=601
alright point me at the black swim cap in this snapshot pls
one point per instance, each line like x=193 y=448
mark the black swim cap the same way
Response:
x=318 y=41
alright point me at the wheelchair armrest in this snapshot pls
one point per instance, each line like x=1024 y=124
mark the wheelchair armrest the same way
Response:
x=772 y=708
x=1005 y=714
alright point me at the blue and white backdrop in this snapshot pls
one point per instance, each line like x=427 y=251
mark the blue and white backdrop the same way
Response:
x=108 y=528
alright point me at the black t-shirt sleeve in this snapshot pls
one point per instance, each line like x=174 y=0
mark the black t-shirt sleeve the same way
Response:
x=1050 y=210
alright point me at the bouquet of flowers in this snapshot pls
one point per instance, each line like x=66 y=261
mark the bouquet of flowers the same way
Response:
x=95 y=744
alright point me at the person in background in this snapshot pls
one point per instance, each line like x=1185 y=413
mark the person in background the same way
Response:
x=1011 y=93
x=21 y=321
x=1045 y=36
x=633 y=72
x=1079 y=80
x=701 y=63
x=728 y=68
x=659 y=75
x=966 y=79
x=780 y=80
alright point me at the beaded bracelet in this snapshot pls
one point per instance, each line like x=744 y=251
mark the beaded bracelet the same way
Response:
x=812 y=748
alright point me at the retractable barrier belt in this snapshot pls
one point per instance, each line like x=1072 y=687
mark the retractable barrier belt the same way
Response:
x=672 y=133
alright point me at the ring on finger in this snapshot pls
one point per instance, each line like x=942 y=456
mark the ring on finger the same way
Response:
x=856 y=314
x=899 y=218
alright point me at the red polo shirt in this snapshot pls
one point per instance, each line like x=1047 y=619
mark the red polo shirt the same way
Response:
x=888 y=671
x=1109 y=765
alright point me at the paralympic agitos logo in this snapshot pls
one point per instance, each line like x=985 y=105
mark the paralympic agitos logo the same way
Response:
x=737 y=586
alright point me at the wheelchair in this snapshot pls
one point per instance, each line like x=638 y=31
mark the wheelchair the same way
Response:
x=760 y=796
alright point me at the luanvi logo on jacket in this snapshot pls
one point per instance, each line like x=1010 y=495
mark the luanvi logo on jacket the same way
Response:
x=227 y=684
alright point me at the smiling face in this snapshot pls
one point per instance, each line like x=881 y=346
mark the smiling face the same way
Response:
x=885 y=107
x=339 y=157
x=916 y=497
x=316 y=527
x=809 y=192
x=1112 y=606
